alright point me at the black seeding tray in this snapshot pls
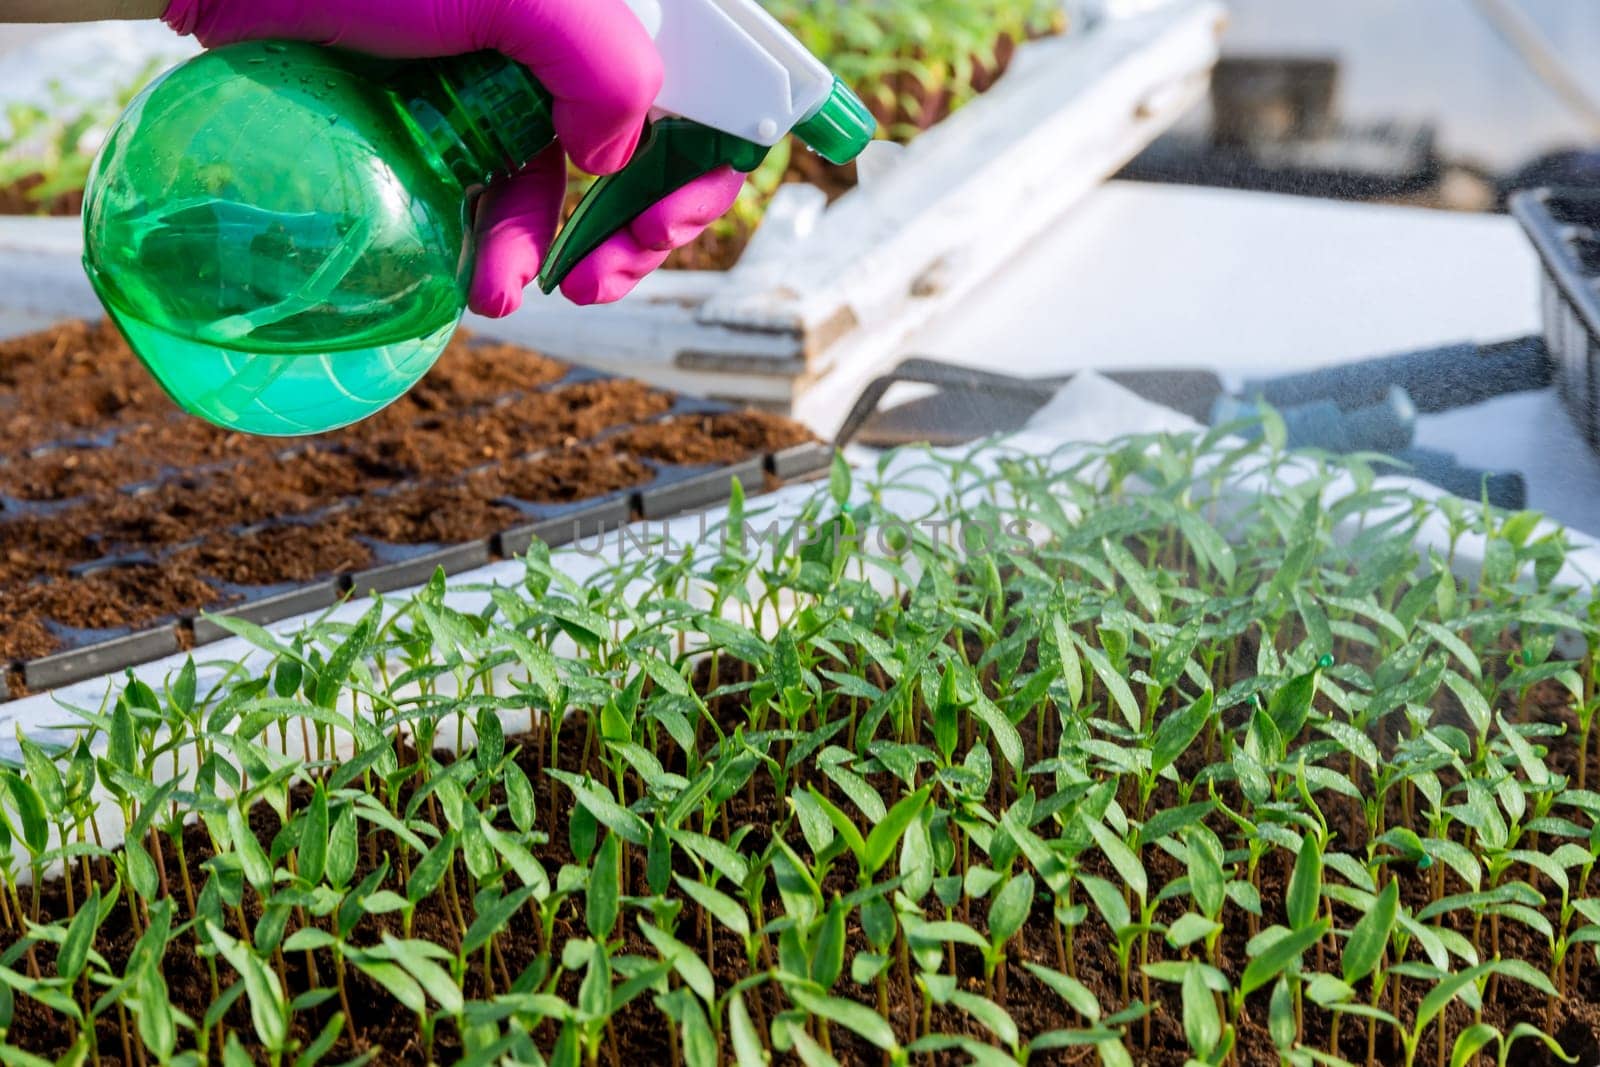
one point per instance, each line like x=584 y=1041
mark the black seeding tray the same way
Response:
x=670 y=491
x=1564 y=226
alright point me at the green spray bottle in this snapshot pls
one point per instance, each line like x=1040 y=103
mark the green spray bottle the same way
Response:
x=282 y=230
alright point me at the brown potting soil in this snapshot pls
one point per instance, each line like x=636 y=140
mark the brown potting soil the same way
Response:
x=440 y=446
x=208 y=505
x=140 y=454
x=694 y=440
x=33 y=547
x=71 y=379
x=113 y=597
x=571 y=475
x=448 y=515
x=470 y=374
x=274 y=556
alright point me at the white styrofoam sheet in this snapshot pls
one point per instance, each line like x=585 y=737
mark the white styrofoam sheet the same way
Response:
x=1170 y=276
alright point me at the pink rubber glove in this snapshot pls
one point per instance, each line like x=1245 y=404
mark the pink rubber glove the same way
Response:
x=598 y=63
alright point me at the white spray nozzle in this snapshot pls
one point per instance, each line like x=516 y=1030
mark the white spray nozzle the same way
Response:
x=733 y=67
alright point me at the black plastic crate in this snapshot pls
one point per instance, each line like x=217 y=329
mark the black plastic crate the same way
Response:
x=1564 y=226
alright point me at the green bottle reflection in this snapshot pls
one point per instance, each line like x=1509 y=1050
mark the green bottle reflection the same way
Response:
x=281 y=230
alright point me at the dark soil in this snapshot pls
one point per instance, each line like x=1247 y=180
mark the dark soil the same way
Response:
x=572 y=475
x=66 y=381
x=445 y=515
x=712 y=439
x=289 y=553
x=441 y=446
x=106 y=599
x=98 y=465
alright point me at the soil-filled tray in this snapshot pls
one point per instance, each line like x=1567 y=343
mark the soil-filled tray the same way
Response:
x=1242 y=776
x=123 y=520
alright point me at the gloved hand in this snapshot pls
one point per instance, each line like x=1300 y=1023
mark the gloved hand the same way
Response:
x=594 y=57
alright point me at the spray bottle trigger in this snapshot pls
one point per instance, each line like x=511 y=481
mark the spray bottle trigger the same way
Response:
x=673 y=153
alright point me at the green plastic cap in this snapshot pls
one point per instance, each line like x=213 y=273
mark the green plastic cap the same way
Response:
x=841 y=128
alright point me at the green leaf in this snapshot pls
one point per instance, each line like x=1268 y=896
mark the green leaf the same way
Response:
x=1279 y=955
x=309 y=939
x=1121 y=856
x=1109 y=901
x=428 y=871
x=122 y=750
x=1071 y=665
x=1202 y=1025
x=1370 y=937
x=608 y=812
x=420 y=960
x=748 y=1048
x=946 y=718
x=1010 y=909
x=1472 y=701
x=183 y=687
x=811 y=1054
x=695 y=974
x=603 y=901
x=30 y=810
x=74 y=951
x=839 y=480
x=312 y=855
x=333 y=676
x=1075 y=993
x=1206 y=881
x=1470 y=1042
x=1440 y=996
x=1177 y=732
x=1208 y=544
x=519 y=798
x=394 y=980
x=885 y=836
x=1001 y=729
x=142 y=874
x=1280 y=1017
x=152 y=1004
x=1115 y=684
x=842 y=823
x=717 y=904
x=344 y=848
x=491 y=740
x=267 y=1011
x=937 y=933
x=1305 y=885
x=994 y=1018
x=1135 y=576
x=492 y=917
x=257 y=870
x=1291 y=705
x=1189 y=928
x=827 y=953
x=854 y=1017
